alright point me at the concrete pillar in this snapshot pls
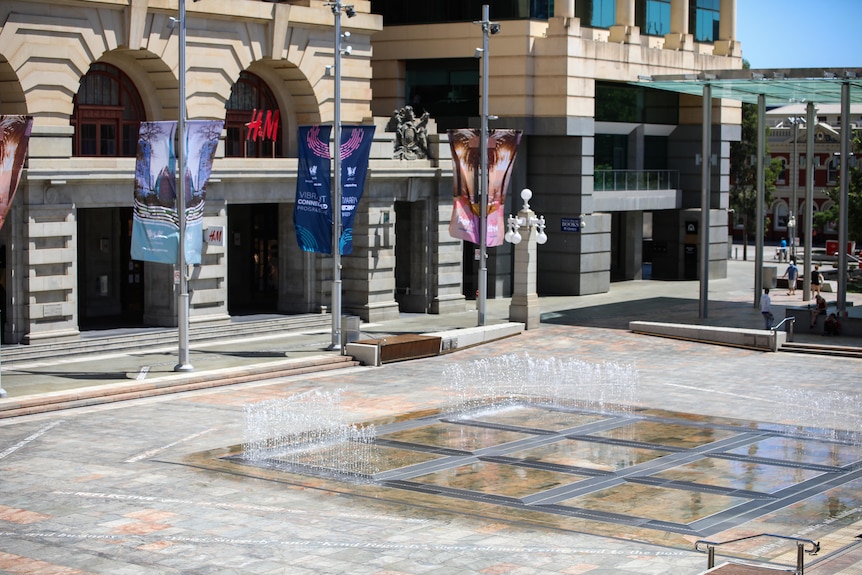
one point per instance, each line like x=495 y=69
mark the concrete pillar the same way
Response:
x=625 y=30
x=564 y=8
x=679 y=37
x=726 y=44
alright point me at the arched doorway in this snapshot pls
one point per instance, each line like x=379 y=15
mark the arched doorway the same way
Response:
x=253 y=126
x=108 y=111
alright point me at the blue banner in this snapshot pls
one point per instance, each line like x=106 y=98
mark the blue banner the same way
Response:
x=355 y=148
x=312 y=214
x=156 y=227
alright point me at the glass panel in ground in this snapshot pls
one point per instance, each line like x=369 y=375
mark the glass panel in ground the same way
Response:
x=739 y=474
x=589 y=454
x=670 y=434
x=499 y=479
x=802 y=451
x=377 y=458
x=534 y=417
x=656 y=503
x=454 y=436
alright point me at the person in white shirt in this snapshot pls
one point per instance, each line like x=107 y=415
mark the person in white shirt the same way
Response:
x=765 y=302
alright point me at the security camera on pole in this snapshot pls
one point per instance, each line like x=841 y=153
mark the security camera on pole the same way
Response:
x=488 y=27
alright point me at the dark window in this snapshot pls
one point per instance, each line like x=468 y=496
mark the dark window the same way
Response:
x=705 y=18
x=251 y=101
x=653 y=17
x=446 y=89
x=596 y=13
x=397 y=12
x=618 y=102
x=107 y=114
x=612 y=152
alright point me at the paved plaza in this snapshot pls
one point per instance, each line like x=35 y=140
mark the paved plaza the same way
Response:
x=140 y=487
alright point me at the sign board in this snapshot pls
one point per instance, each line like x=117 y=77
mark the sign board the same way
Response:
x=570 y=224
x=691 y=226
x=214 y=236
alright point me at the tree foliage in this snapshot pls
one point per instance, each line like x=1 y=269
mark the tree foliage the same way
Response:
x=829 y=216
x=743 y=173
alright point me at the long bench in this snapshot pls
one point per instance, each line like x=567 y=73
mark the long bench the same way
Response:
x=760 y=339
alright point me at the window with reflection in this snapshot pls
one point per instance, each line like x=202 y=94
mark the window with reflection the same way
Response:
x=107 y=113
x=447 y=89
x=596 y=13
x=653 y=17
x=399 y=12
x=705 y=18
x=252 y=120
x=622 y=102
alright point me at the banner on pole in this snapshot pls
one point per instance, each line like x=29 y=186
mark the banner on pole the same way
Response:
x=355 y=149
x=466 y=158
x=155 y=227
x=201 y=142
x=312 y=216
x=14 y=138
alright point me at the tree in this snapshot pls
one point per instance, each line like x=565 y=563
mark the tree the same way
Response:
x=743 y=175
x=854 y=200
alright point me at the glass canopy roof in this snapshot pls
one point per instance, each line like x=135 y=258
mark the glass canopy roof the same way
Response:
x=779 y=86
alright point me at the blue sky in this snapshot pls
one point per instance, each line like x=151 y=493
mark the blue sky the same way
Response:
x=800 y=33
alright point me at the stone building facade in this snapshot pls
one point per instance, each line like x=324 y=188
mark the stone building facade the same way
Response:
x=90 y=70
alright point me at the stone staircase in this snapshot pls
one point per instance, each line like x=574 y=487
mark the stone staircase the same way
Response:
x=147 y=338
x=822 y=349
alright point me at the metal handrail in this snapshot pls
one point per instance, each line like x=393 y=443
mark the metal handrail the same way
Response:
x=792 y=320
x=800 y=548
x=633 y=180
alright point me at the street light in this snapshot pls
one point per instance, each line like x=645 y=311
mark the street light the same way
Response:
x=488 y=27
x=337 y=8
x=524 y=307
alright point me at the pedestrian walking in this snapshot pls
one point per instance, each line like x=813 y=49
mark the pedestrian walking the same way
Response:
x=816 y=279
x=791 y=273
x=765 y=311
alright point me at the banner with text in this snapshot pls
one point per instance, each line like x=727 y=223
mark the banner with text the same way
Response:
x=355 y=149
x=14 y=138
x=155 y=228
x=312 y=216
x=466 y=158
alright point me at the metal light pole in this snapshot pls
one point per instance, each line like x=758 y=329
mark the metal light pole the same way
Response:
x=183 y=297
x=337 y=8
x=705 y=181
x=488 y=27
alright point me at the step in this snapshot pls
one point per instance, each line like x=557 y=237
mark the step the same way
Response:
x=822 y=349
x=159 y=337
x=124 y=391
x=742 y=569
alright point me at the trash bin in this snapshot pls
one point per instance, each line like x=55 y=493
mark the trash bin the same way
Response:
x=770 y=277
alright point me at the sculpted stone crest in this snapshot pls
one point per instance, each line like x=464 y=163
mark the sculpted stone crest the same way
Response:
x=411 y=134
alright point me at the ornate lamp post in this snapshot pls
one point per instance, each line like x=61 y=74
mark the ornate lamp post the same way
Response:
x=526 y=225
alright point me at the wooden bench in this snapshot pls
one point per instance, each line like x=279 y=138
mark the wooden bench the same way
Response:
x=404 y=346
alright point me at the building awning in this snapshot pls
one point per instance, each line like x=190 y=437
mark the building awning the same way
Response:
x=779 y=86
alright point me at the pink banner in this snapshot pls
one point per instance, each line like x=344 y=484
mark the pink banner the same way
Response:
x=466 y=160
x=14 y=137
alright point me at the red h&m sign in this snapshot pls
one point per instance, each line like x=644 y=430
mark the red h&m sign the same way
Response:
x=262 y=126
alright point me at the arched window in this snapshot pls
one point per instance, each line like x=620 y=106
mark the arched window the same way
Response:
x=781 y=215
x=107 y=115
x=252 y=103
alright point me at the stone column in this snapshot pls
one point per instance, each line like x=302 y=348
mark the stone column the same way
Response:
x=726 y=44
x=625 y=30
x=564 y=8
x=679 y=37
